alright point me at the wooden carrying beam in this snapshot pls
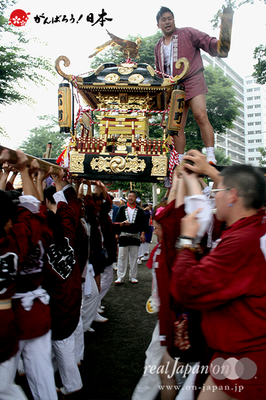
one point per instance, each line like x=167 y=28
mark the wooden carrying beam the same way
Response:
x=44 y=165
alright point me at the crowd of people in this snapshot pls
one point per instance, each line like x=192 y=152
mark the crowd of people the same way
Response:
x=209 y=286
x=58 y=246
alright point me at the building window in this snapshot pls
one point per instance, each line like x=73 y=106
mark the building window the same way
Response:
x=251 y=150
x=258 y=115
x=251 y=141
x=250 y=115
x=248 y=82
x=250 y=98
x=250 y=123
x=258 y=158
x=258 y=123
x=249 y=107
x=256 y=97
x=258 y=140
x=257 y=89
x=257 y=105
x=251 y=159
x=250 y=132
x=249 y=90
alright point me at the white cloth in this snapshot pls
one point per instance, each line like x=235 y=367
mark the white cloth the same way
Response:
x=168 y=57
x=88 y=280
x=124 y=254
x=64 y=351
x=37 y=359
x=187 y=393
x=143 y=249
x=27 y=299
x=148 y=385
x=194 y=202
x=106 y=281
x=30 y=202
x=89 y=304
x=8 y=389
x=79 y=341
x=130 y=213
x=59 y=196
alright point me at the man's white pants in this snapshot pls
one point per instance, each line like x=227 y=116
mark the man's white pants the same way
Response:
x=65 y=354
x=143 y=249
x=79 y=341
x=124 y=254
x=37 y=359
x=8 y=389
x=106 y=281
x=89 y=305
x=148 y=385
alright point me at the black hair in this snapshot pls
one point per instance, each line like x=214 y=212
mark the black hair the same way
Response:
x=162 y=11
x=249 y=183
x=133 y=191
x=49 y=192
x=97 y=197
x=8 y=210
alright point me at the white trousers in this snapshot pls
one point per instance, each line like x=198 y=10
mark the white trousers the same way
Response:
x=37 y=359
x=65 y=354
x=8 y=389
x=143 y=249
x=148 y=385
x=89 y=305
x=106 y=281
x=79 y=341
x=124 y=254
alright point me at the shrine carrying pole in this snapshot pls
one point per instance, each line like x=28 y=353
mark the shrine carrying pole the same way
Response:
x=43 y=165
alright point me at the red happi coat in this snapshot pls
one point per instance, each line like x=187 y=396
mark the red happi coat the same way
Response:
x=229 y=287
x=63 y=275
x=187 y=43
x=24 y=241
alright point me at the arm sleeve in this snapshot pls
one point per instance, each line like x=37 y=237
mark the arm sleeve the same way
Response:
x=203 y=41
x=214 y=280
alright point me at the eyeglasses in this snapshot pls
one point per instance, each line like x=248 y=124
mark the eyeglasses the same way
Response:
x=214 y=191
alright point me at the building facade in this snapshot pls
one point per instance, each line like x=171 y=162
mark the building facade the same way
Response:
x=233 y=141
x=255 y=126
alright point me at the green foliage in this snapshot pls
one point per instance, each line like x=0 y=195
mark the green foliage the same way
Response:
x=221 y=157
x=17 y=68
x=234 y=5
x=35 y=144
x=222 y=108
x=260 y=67
x=262 y=162
x=259 y=52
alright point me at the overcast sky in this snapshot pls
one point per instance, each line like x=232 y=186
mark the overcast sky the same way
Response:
x=78 y=40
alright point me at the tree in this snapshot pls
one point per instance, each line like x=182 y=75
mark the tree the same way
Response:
x=35 y=144
x=262 y=162
x=259 y=52
x=17 y=68
x=221 y=157
x=260 y=67
x=222 y=108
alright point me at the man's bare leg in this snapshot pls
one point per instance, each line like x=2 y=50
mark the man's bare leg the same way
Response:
x=213 y=393
x=168 y=377
x=198 y=108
